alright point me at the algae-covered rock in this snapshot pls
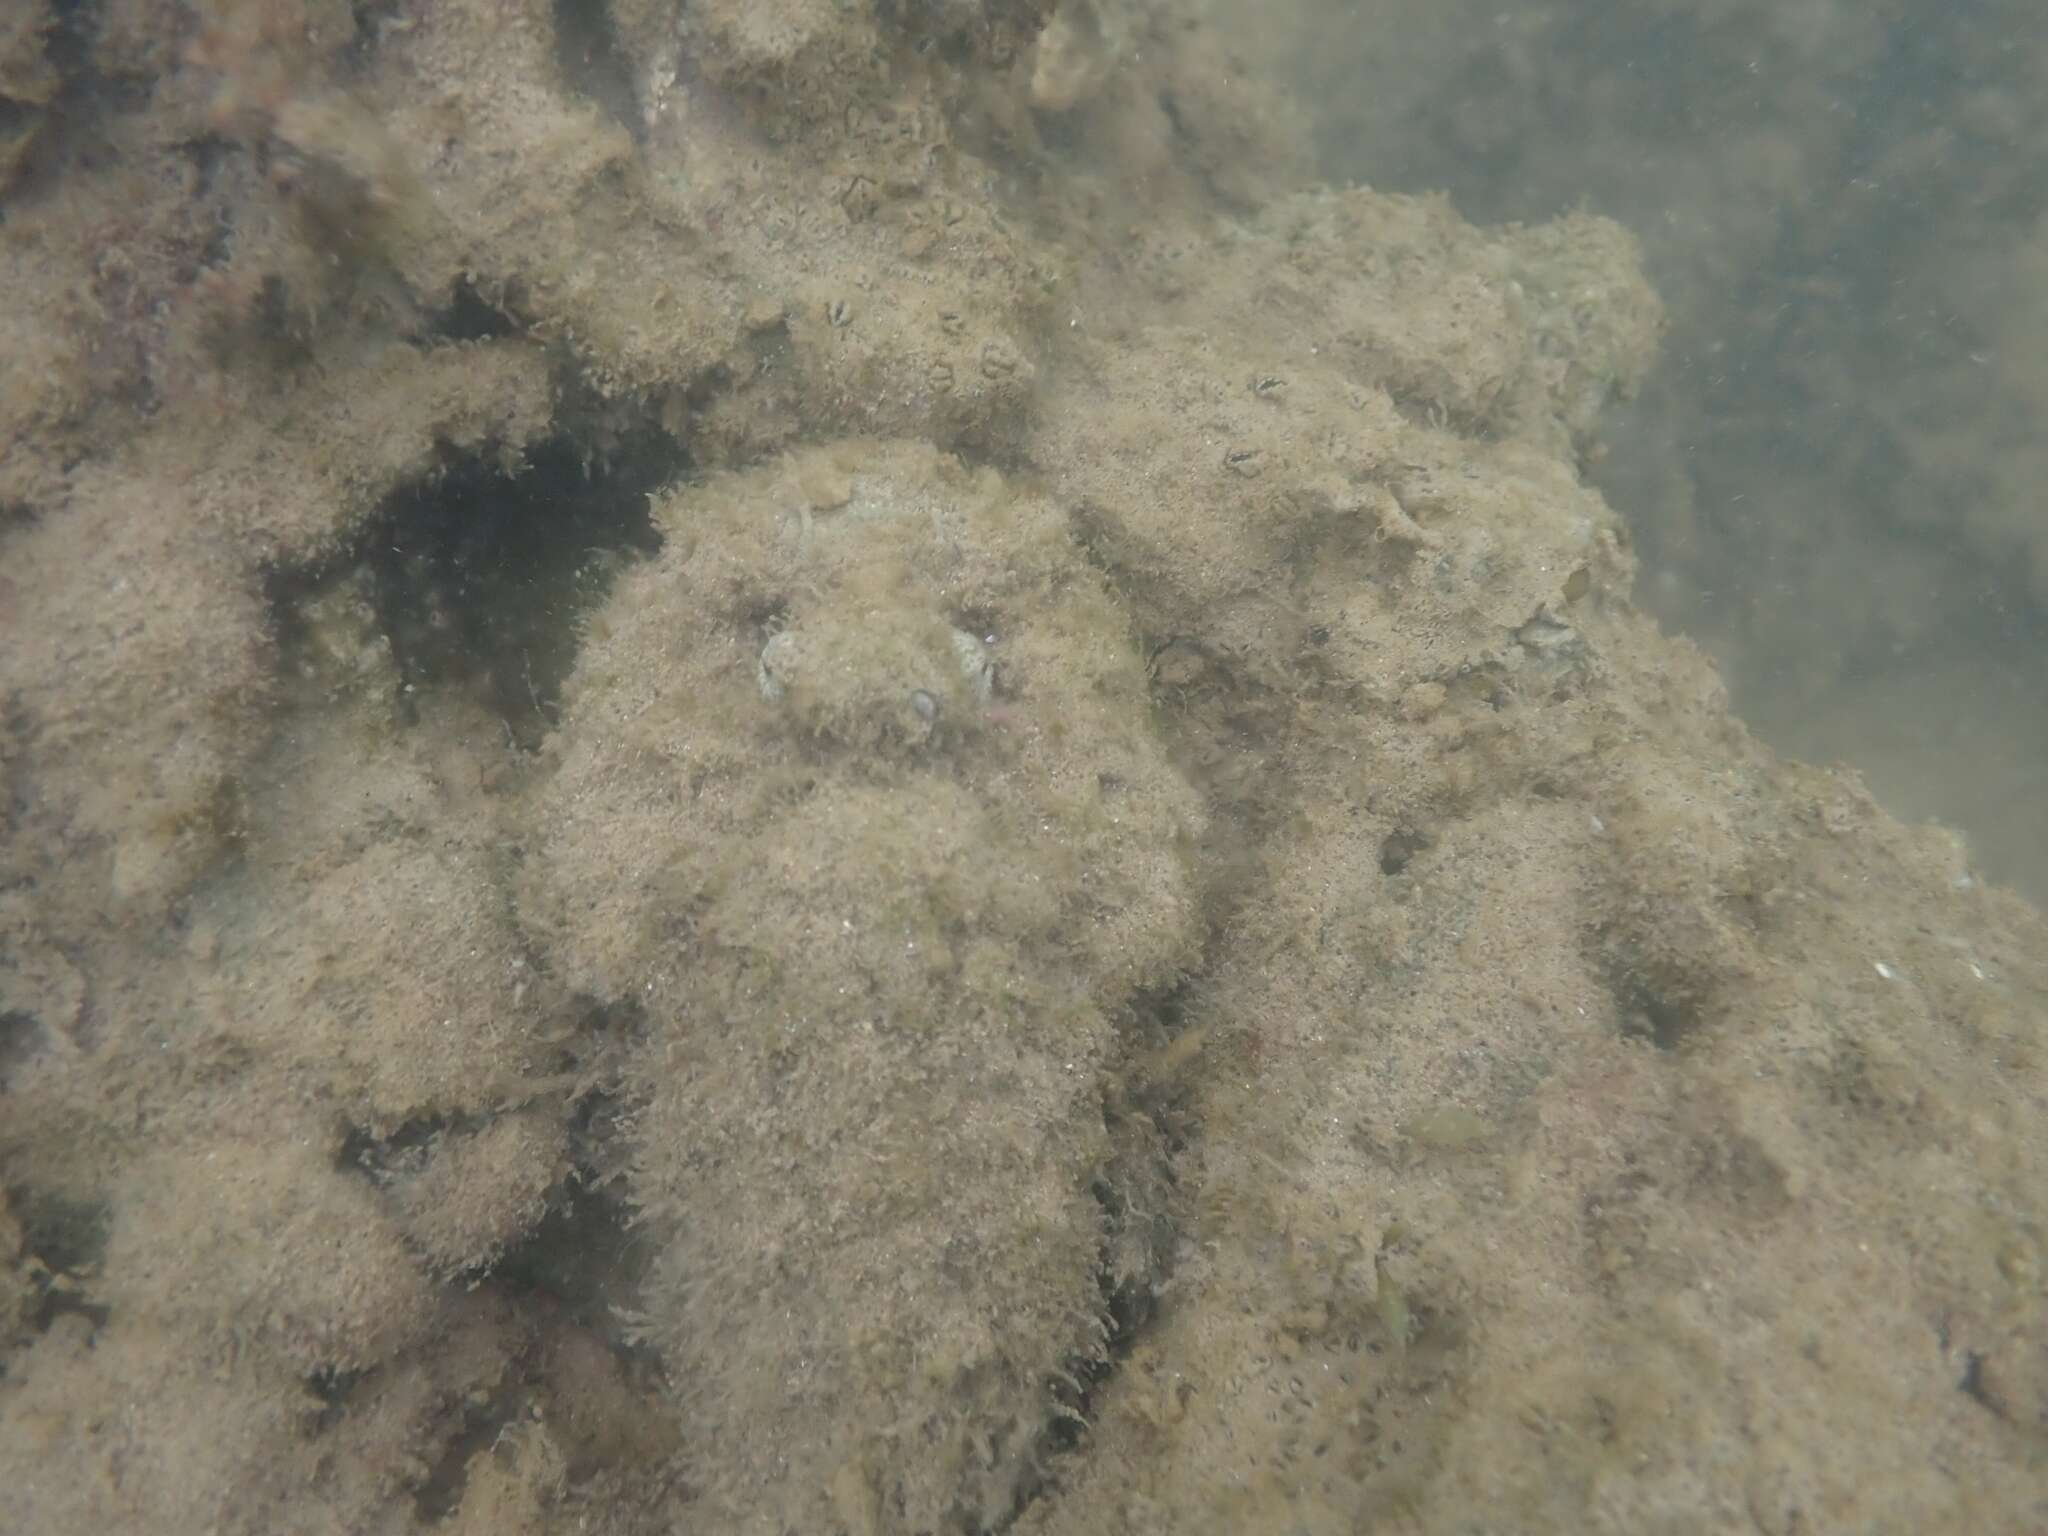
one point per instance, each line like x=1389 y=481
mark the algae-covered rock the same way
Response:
x=1196 y=967
x=275 y=1244
x=860 y=806
x=1347 y=430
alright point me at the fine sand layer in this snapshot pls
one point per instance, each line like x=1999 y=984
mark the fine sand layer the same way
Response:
x=819 y=766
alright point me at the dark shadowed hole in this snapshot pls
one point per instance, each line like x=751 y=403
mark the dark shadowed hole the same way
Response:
x=55 y=1303
x=482 y=1422
x=331 y=1386
x=370 y=17
x=480 y=578
x=1135 y=1192
x=15 y=118
x=378 y=1158
x=67 y=1235
x=20 y=1038
x=1399 y=848
x=587 y=52
x=1660 y=1016
x=468 y=316
x=69 y=43
x=1128 y=1307
x=1972 y=1384
x=583 y=1257
x=579 y=1268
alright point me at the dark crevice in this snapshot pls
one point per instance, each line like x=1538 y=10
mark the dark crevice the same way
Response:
x=15 y=118
x=575 y=1274
x=1194 y=158
x=278 y=328
x=478 y=579
x=469 y=316
x=16 y=794
x=74 y=131
x=61 y=1301
x=1128 y=1305
x=21 y=1036
x=1139 y=1199
x=1398 y=849
x=441 y=1493
x=587 y=53
x=583 y=1259
x=68 y=1236
x=1130 y=1299
x=371 y=17
x=331 y=1386
x=1095 y=539
x=1158 y=1031
x=1666 y=1016
x=1972 y=1384
x=65 y=1240
x=70 y=41
x=209 y=154
x=382 y=1158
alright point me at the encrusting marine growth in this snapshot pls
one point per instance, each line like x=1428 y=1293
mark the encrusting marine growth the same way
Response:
x=859 y=806
x=813 y=766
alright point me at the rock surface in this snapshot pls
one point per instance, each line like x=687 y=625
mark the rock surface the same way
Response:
x=816 y=766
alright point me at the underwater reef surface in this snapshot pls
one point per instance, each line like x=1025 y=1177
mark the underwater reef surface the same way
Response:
x=825 y=766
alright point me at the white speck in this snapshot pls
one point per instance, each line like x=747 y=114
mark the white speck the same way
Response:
x=1885 y=971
